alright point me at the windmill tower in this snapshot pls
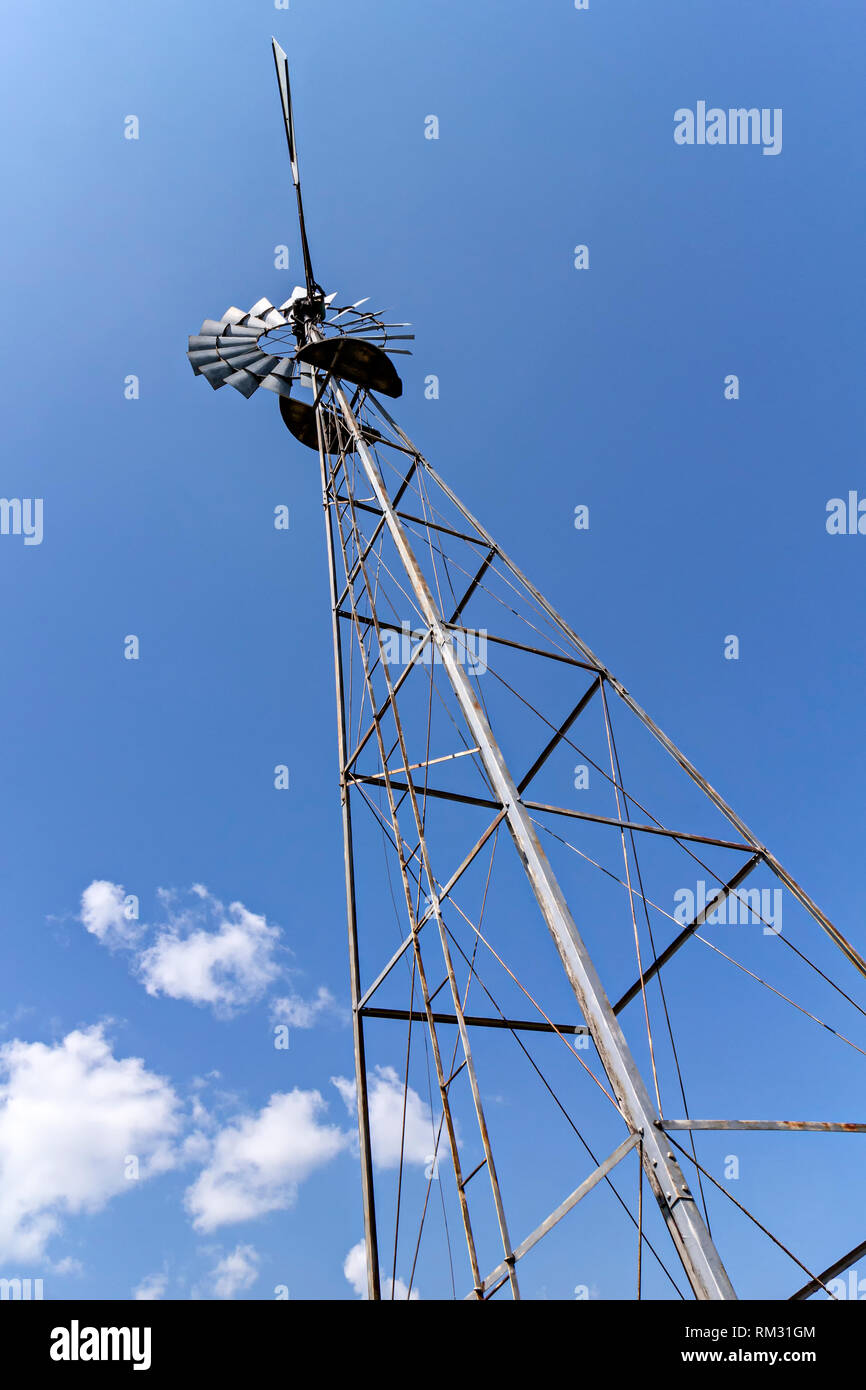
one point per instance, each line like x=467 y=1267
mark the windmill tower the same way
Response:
x=508 y=885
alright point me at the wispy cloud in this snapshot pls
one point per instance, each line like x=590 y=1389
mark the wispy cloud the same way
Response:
x=212 y=956
x=235 y=1272
x=258 y=1160
x=105 y=914
x=151 y=1288
x=298 y=1012
x=390 y=1136
x=222 y=957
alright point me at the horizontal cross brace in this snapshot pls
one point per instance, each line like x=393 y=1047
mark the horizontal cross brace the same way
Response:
x=419 y=520
x=472 y=631
x=633 y=825
x=477 y=1021
x=804 y=1126
x=378 y=778
x=522 y=647
x=421 y=790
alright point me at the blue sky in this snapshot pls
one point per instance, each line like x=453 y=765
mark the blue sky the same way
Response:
x=558 y=387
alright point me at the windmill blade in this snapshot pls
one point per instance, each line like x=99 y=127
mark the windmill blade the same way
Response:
x=211 y=328
x=281 y=386
x=264 y=366
x=244 y=382
x=208 y=357
x=266 y=311
x=216 y=374
x=240 y=356
x=347 y=310
x=297 y=293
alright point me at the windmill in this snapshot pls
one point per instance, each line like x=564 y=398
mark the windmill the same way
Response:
x=455 y=739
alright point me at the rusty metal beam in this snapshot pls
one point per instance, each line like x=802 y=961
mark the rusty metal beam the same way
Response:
x=377 y=778
x=479 y=575
x=477 y=1021
x=688 y=932
x=830 y=1273
x=524 y=647
x=793 y=1126
x=559 y=735
x=635 y=825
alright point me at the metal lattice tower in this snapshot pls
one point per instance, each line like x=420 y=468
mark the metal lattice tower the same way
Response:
x=463 y=699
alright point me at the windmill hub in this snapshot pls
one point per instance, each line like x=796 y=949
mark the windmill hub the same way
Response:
x=310 y=309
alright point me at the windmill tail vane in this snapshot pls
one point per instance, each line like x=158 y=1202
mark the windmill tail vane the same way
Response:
x=313 y=307
x=484 y=868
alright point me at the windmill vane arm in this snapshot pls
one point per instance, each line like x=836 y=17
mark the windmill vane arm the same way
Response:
x=313 y=308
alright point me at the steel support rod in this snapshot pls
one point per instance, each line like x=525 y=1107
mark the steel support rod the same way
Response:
x=694 y=1245
x=443 y=893
x=565 y=1207
x=367 y=1184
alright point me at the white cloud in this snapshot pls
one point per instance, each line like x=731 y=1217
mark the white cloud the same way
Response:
x=104 y=915
x=228 y=967
x=151 y=1288
x=70 y=1114
x=355 y=1270
x=204 y=952
x=235 y=1272
x=298 y=1012
x=385 y=1100
x=257 y=1161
